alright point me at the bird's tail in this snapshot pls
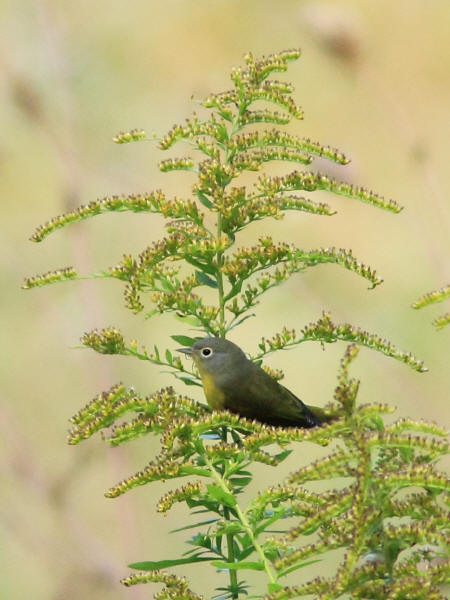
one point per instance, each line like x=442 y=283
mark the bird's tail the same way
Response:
x=321 y=417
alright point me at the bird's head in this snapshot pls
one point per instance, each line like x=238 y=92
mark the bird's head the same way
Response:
x=213 y=355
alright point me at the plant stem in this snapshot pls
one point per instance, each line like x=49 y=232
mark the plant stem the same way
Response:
x=219 y=255
x=246 y=525
x=243 y=521
x=230 y=537
x=219 y=260
x=231 y=557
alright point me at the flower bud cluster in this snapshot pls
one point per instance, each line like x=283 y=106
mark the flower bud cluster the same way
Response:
x=135 y=135
x=311 y=182
x=306 y=148
x=190 y=490
x=324 y=330
x=193 y=128
x=175 y=587
x=105 y=341
x=50 y=277
x=431 y=298
x=153 y=202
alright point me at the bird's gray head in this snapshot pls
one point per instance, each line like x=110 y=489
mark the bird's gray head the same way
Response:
x=214 y=355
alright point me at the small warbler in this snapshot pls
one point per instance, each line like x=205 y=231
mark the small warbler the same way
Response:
x=231 y=381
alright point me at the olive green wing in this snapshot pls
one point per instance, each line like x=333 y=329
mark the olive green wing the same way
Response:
x=259 y=396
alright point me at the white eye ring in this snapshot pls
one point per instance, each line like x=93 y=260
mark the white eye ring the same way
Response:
x=206 y=352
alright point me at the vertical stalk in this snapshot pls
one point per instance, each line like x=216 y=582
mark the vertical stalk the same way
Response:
x=230 y=537
x=219 y=255
x=219 y=260
x=231 y=557
x=226 y=511
x=244 y=522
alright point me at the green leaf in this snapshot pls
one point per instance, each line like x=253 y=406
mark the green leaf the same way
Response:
x=229 y=527
x=193 y=525
x=221 y=495
x=240 y=481
x=189 y=319
x=277 y=514
x=238 y=566
x=191 y=470
x=246 y=551
x=208 y=506
x=187 y=380
x=150 y=565
x=202 y=540
x=237 y=287
x=274 y=587
x=198 y=445
x=282 y=455
x=240 y=321
x=377 y=422
x=204 y=267
x=204 y=200
x=299 y=566
x=166 y=285
x=169 y=357
x=205 y=279
x=185 y=340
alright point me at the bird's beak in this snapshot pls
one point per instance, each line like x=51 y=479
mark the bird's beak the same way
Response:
x=187 y=351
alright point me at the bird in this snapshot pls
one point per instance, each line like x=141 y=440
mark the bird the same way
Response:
x=233 y=382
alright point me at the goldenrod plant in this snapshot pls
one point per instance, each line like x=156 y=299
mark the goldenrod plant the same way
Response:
x=383 y=502
x=432 y=298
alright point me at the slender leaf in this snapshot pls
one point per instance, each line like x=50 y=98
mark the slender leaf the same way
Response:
x=187 y=380
x=221 y=495
x=166 y=285
x=240 y=481
x=238 y=566
x=204 y=267
x=239 y=321
x=193 y=525
x=204 y=200
x=189 y=319
x=298 y=566
x=282 y=455
x=205 y=279
x=246 y=552
x=202 y=540
x=150 y=565
x=229 y=527
x=191 y=470
x=185 y=340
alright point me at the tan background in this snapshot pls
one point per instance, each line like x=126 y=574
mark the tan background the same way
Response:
x=373 y=80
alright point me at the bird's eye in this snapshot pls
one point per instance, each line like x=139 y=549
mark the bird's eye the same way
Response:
x=206 y=352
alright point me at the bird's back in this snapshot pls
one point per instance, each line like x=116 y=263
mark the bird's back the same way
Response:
x=257 y=395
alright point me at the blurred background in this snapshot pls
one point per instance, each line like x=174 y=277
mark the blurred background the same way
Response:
x=373 y=81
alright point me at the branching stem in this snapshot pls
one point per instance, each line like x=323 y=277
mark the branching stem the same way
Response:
x=222 y=483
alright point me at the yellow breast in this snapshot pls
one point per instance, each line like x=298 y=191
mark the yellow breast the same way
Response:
x=214 y=396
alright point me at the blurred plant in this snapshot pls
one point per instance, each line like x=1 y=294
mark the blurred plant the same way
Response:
x=431 y=298
x=391 y=515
